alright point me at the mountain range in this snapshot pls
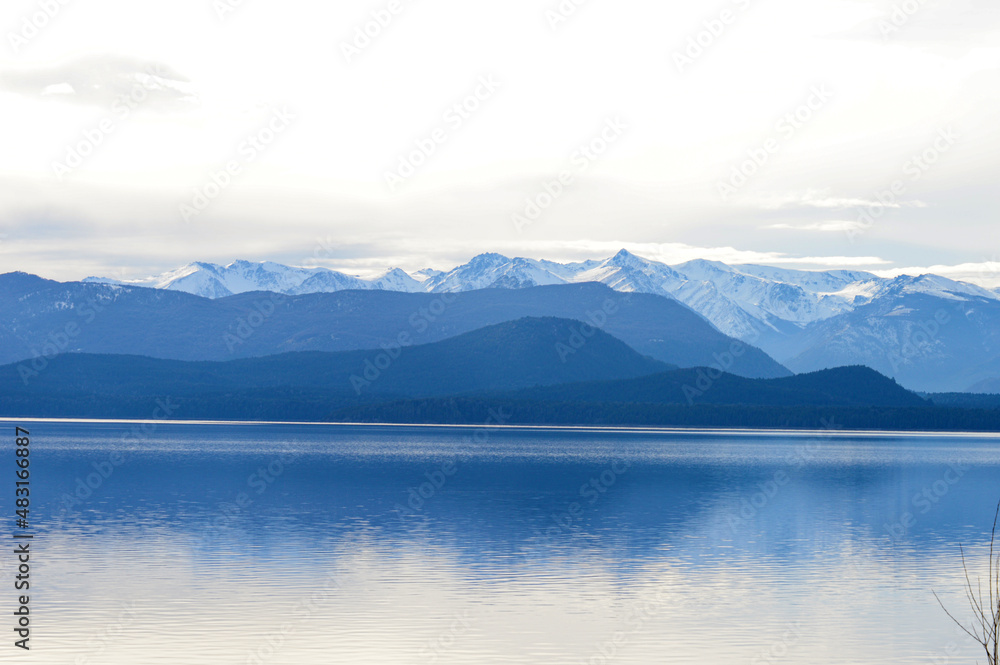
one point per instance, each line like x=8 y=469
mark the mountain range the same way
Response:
x=928 y=332
x=606 y=350
x=521 y=368
x=502 y=357
x=43 y=318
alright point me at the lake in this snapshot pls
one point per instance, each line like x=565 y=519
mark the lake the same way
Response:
x=300 y=544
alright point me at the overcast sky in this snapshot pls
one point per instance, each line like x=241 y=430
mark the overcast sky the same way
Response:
x=140 y=136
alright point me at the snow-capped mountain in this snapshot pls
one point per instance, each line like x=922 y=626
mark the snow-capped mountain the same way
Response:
x=493 y=271
x=751 y=302
x=210 y=280
x=395 y=279
x=928 y=331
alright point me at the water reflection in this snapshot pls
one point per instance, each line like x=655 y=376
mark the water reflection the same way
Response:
x=306 y=544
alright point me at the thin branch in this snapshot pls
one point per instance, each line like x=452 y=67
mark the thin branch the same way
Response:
x=952 y=617
x=988 y=622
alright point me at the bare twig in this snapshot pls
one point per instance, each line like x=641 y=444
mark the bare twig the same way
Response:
x=986 y=615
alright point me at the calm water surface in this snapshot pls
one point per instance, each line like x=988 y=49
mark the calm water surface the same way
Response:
x=301 y=544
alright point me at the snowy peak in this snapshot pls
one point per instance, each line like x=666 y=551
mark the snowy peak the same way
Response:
x=942 y=287
x=704 y=266
x=487 y=261
x=744 y=301
x=627 y=272
x=814 y=281
x=211 y=280
x=493 y=271
x=395 y=279
x=426 y=274
x=906 y=285
x=625 y=259
x=632 y=264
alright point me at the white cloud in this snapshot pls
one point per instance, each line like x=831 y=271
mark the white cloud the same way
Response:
x=841 y=226
x=984 y=273
x=674 y=253
x=354 y=120
x=817 y=199
x=948 y=26
x=101 y=80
